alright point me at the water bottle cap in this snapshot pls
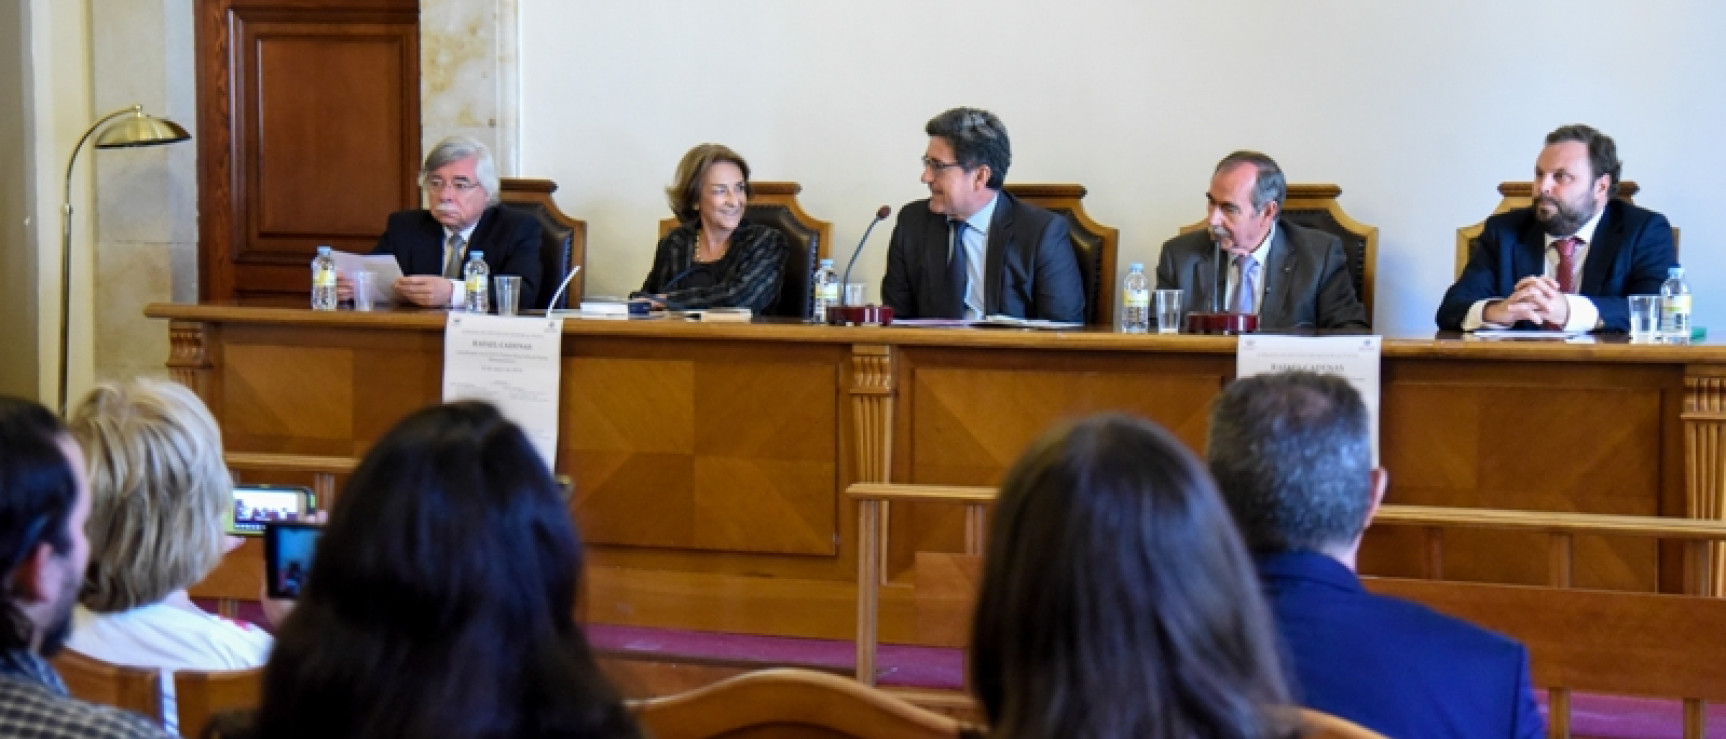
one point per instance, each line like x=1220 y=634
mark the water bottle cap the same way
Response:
x=826 y=262
x=323 y=250
x=472 y=255
x=1136 y=267
x=1674 y=271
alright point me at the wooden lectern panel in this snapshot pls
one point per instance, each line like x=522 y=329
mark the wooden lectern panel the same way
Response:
x=706 y=450
x=1535 y=437
x=969 y=424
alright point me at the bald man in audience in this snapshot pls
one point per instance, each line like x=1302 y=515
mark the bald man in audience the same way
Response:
x=1292 y=456
x=1571 y=259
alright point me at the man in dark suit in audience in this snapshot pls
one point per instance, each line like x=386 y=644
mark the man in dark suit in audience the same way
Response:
x=1293 y=459
x=1289 y=275
x=1014 y=258
x=432 y=244
x=1570 y=260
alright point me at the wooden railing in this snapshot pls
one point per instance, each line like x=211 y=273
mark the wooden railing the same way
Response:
x=322 y=469
x=1614 y=642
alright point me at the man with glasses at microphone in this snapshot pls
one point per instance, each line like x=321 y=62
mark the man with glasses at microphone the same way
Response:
x=1287 y=275
x=970 y=250
x=462 y=216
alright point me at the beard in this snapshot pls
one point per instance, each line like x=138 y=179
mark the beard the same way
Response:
x=1565 y=218
x=60 y=628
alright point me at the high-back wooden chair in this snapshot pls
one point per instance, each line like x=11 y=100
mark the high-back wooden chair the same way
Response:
x=1094 y=244
x=1316 y=206
x=810 y=238
x=202 y=695
x=791 y=703
x=1521 y=195
x=563 y=243
x=136 y=689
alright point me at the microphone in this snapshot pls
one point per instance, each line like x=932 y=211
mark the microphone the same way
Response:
x=552 y=306
x=1217 y=277
x=881 y=214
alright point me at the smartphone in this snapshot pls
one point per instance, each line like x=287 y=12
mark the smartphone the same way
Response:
x=288 y=549
x=256 y=505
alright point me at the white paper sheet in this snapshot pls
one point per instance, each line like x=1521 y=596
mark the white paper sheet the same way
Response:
x=384 y=269
x=1354 y=358
x=512 y=362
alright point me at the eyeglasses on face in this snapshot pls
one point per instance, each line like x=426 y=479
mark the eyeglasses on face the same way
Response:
x=437 y=184
x=936 y=165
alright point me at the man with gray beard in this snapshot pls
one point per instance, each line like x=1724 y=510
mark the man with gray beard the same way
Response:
x=1569 y=260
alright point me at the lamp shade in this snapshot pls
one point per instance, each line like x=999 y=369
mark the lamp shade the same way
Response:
x=139 y=129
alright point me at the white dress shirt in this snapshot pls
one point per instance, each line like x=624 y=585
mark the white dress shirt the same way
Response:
x=1584 y=316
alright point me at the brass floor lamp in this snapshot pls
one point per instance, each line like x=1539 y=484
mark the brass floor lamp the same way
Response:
x=135 y=129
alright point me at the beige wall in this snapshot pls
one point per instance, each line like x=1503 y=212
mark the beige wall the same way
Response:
x=146 y=235
x=1417 y=109
x=18 y=370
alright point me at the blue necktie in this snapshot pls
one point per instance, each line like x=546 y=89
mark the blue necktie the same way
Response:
x=1248 y=290
x=956 y=272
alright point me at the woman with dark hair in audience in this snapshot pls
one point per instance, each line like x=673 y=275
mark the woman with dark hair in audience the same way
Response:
x=441 y=600
x=1117 y=598
x=714 y=258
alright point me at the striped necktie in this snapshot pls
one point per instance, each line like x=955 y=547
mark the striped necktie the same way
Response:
x=452 y=256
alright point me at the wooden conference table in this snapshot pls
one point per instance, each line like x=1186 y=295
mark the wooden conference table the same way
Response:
x=709 y=459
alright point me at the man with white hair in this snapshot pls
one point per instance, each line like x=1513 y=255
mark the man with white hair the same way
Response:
x=462 y=216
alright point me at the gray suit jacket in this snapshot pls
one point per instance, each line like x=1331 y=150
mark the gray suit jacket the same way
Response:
x=1306 y=277
x=1029 y=266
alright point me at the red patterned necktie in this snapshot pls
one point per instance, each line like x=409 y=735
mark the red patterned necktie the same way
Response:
x=1567 y=263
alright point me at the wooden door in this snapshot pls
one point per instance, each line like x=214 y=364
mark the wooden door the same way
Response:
x=308 y=134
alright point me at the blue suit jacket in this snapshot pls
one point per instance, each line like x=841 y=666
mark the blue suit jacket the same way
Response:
x=1395 y=667
x=1029 y=266
x=1631 y=250
x=510 y=240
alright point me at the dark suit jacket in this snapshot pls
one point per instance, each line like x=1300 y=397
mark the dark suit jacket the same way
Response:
x=1631 y=250
x=1307 y=284
x=509 y=239
x=1392 y=666
x=1029 y=266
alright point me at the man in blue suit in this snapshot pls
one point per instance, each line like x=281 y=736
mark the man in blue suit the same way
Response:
x=1293 y=460
x=1569 y=260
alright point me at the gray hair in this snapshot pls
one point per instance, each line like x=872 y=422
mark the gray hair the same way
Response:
x=1270 y=186
x=978 y=137
x=1291 y=454
x=456 y=148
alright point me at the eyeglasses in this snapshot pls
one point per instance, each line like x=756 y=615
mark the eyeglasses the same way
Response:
x=436 y=184
x=936 y=165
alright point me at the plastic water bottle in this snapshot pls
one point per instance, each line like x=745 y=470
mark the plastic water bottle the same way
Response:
x=1136 y=300
x=826 y=289
x=323 y=280
x=478 y=277
x=1675 y=306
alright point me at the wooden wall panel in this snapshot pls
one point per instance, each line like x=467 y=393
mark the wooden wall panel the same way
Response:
x=308 y=134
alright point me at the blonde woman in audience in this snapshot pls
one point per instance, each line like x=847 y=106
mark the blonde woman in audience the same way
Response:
x=441 y=600
x=160 y=495
x=1117 y=600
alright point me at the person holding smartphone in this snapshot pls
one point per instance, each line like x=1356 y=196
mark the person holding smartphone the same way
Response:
x=441 y=600
x=161 y=496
